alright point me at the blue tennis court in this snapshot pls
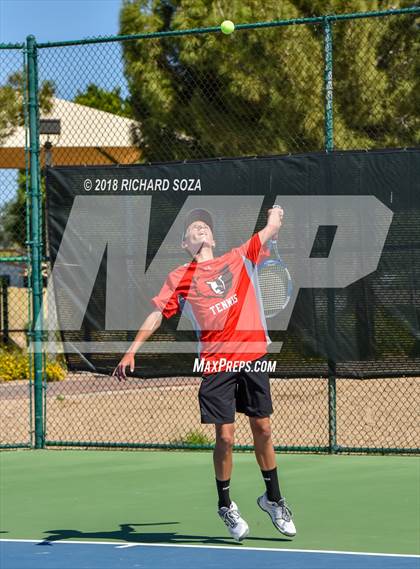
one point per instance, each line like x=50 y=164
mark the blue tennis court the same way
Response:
x=22 y=554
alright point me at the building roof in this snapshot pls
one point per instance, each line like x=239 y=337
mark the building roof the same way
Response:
x=88 y=137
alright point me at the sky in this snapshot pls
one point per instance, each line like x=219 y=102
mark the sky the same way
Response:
x=71 y=68
x=54 y=20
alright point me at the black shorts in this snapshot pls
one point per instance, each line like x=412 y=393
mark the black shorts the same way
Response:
x=223 y=393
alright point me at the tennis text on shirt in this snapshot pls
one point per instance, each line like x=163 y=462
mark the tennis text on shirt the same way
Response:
x=220 y=298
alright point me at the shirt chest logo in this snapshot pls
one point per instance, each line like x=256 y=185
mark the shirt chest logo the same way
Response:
x=217 y=287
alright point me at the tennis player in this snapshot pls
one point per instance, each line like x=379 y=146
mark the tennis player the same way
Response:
x=219 y=295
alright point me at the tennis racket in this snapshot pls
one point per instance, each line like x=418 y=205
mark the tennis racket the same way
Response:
x=275 y=283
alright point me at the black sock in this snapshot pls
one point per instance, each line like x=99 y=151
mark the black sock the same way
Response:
x=272 y=484
x=223 y=491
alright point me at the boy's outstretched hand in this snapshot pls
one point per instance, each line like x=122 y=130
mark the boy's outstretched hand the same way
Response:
x=119 y=371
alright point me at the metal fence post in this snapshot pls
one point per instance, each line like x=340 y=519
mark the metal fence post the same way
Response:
x=329 y=146
x=36 y=240
x=5 y=282
x=328 y=86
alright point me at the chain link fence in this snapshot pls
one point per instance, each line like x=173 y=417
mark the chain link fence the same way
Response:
x=272 y=88
x=15 y=300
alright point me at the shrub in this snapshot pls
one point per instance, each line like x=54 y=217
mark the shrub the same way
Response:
x=194 y=438
x=14 y=364
x=54 y=371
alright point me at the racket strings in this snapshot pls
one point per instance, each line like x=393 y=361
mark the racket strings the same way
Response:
x=274 y=287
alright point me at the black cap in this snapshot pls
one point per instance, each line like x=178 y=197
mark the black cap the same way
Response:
x=197 y=215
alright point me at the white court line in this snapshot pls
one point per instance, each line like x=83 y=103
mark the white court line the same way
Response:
x=236 y=548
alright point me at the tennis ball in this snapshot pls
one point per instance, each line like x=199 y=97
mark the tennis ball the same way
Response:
x=227 y=27
x=60 y=397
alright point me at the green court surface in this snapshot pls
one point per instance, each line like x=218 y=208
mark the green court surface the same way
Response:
x=343 y=503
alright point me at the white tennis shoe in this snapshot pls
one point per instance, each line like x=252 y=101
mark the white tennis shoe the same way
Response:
x=280 y=515
x=237 y=526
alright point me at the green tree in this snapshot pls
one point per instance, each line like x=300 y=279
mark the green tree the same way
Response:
x=109 y=101
x=261 y=91
x=12 y=102
x=12 y=213
x=5 y=237
x=377 y=81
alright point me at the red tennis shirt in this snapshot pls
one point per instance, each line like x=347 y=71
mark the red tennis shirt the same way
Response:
x=221 y=298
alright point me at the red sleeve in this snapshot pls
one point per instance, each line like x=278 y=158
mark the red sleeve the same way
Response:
x=254 y=250
x=167 y=300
